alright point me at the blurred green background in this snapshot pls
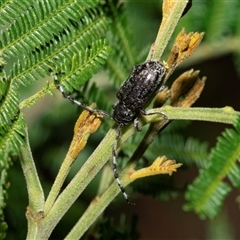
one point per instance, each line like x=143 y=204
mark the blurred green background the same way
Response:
x=52 y=119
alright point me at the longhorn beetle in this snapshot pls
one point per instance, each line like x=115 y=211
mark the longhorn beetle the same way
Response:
x=145 y=80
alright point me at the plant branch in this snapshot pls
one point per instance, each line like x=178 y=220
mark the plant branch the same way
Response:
x=95 y=209
x=86 y=124
x=172 y=12
x=31 y=100
x=34 y=188
x=88 y=171
x=222 y=115
x=35 y=191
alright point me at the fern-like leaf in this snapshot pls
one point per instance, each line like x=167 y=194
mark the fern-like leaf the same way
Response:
x=12 y=121
x=12 y=136
x=10 y=10
x=176 y=147
x=39 y=25
x=75 y=38
x=207 y=193
x=80 y=68
x=9 y=101
x=94 y=94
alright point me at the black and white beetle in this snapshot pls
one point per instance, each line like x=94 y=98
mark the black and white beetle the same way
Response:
x=145 y=81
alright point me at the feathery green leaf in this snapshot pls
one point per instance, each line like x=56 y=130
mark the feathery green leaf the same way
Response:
x=12 y=136
x=73 y=39
x=10 y=10
x=175 y=146
x=80 y=68
x=9 y=100
x=40 y=23
x=208 y=191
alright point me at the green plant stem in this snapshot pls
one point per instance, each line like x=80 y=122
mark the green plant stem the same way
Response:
x=34 y=188
x=88 y=171
x=56 y=187
x=166 y=30
x=94 y=210
x=99 y=204
x=224 y=115
x=221 y=115
x=31 y=100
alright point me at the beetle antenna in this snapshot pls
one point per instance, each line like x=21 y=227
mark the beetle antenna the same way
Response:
x=73 y=100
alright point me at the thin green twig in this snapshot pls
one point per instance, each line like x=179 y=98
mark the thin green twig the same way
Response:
x=34 y=188
x=165 y=31
x=222 y=115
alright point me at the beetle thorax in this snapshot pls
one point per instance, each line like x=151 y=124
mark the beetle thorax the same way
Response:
x=121 y=114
